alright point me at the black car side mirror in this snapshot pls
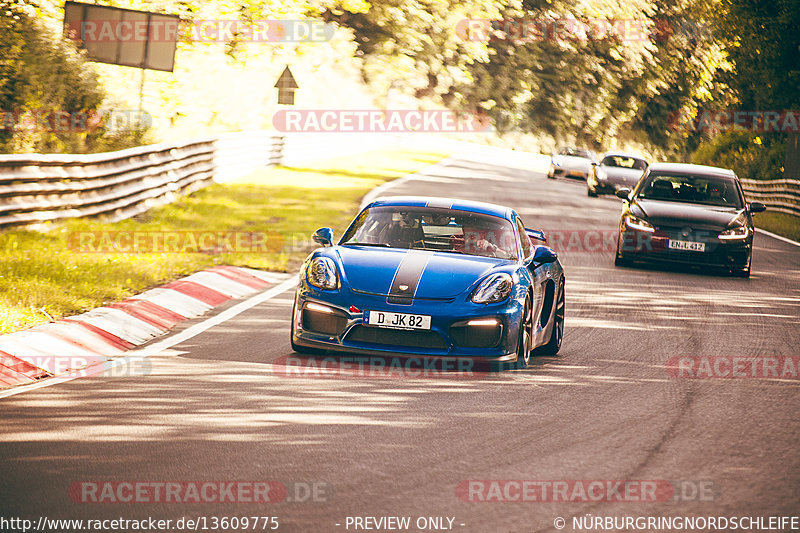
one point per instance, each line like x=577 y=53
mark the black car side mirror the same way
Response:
x=757 y=207
x=323 y=236
x=543 y=255
x=594 y=163
x=623 y=193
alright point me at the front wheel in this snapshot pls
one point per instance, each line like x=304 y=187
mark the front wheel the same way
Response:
x=619 y=260
x=525 y=335
x=554 y=344
x=590 y=193
x=743 y=272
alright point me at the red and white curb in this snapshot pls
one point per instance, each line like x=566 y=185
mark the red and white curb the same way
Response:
x=110 y=331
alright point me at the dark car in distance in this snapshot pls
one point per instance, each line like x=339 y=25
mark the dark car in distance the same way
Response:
x=614 y=171
x=689 y=214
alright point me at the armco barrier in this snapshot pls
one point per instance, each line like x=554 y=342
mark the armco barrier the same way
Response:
x=781 y=195
x=36 y=188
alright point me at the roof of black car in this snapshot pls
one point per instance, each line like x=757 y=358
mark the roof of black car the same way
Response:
x=692 y=169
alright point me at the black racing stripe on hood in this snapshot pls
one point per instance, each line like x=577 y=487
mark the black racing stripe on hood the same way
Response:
x=406 y=278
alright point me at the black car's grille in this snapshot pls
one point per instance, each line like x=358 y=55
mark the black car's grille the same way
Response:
x=718 y=256
x=397 y=337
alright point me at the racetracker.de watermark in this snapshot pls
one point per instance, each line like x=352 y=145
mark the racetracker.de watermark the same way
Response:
x=66 y=121
x=206 y=492
x=734 y=367
x=83 y=366
x=201 y=31
x=379 y=121
x=585 y=490
x=376 y=367
x=571 y=30
x=160 y=242
x=722 y=121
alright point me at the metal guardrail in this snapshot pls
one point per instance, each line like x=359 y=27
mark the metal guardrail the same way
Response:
x=38 y=188
x=781 y=195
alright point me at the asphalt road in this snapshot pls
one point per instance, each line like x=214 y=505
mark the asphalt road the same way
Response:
x=217 y=407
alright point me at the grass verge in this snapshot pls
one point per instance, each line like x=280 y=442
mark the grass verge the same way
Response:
x=50 y=274
x=779 y=223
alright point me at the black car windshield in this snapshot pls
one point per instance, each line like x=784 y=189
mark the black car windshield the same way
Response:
x=622 y=161
x=693 y=189
x=435 y=229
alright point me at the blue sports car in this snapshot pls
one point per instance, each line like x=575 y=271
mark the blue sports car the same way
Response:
x=432 y=277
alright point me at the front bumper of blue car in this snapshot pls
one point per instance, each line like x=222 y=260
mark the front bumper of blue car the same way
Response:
x=335 y=320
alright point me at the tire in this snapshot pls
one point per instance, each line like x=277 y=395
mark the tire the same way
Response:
x=619 y=260
x=743 y=272
x=556 y=337
x=591 y=194
x=525 y=335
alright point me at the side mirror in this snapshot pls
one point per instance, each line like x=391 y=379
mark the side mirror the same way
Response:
x=323 y=236
x=543 y=255
x=623 y=192
x=594 y=163
x=536 y=234
x=757 y=207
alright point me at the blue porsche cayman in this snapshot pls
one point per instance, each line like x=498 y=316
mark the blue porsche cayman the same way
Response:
x=432 y=277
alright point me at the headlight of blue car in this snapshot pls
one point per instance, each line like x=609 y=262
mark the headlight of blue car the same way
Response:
x=322 y=274
x=493 y=289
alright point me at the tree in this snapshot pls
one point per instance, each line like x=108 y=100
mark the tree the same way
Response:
x=41 y=75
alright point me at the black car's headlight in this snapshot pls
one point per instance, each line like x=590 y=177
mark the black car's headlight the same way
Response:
x=495 y=288
x=639 y=224
x=735 y=234
x=321 y=273
x=737 y=230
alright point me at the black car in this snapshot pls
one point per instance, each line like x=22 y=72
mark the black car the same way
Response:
x=689 y=214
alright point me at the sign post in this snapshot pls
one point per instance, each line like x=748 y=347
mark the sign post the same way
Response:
x=286 y=87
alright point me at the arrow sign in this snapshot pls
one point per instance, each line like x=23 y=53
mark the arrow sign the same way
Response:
x=286 y=86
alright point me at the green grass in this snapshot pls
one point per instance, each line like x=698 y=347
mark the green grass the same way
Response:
x=44 y=275
x=785 y=225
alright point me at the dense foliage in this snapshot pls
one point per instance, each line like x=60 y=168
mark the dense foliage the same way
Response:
x=601 y=74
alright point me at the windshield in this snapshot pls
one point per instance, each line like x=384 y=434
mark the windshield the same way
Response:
x=707 y=190
x=622 y=161
x=436 y=229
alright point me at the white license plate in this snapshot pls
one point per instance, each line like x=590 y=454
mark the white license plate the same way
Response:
x=687 y=245
x=386 y=319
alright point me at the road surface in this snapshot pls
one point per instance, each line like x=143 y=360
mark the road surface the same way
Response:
x=218 y=407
